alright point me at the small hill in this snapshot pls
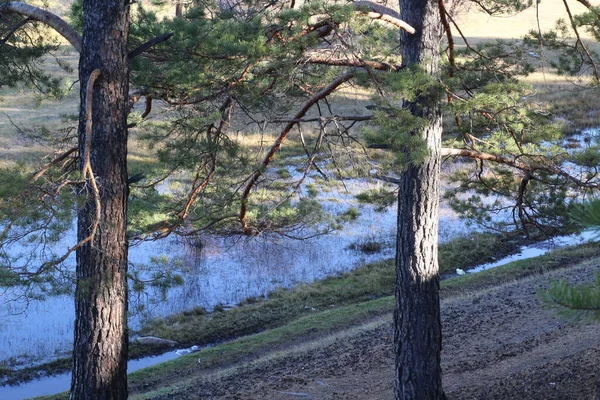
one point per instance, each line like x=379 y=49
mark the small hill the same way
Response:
x=500 y=342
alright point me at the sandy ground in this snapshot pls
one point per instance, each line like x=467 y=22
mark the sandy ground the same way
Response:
x=502 y=343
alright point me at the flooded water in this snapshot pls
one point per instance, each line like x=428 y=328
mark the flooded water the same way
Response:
x=60 y=383
x=220 y=271
x=541 y=248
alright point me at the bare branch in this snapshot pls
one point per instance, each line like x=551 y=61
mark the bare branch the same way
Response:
x=55 y=161
x=148 y=108
x=87 y=165
x=14 y=29
x=325 y=60
x=149 y=44
x=449 y=36
x=387 y=178
x=52 y=20
x=323 y=119
x=583 y=46
x=134 y=97
x=514 y=162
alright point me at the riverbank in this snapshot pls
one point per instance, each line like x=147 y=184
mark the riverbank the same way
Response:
x=319 y=326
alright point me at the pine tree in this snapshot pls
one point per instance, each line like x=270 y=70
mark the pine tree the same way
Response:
x=578 y=301
x=260 y=63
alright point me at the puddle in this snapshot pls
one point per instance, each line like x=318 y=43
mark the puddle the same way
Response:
x=541 y=248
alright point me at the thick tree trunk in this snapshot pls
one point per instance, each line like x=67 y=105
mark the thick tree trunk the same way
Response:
x=417 y=315
x=100 y=351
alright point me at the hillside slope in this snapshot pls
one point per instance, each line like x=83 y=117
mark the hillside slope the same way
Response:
x=500 y=343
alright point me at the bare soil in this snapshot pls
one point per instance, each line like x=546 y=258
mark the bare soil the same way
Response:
x=502 y=343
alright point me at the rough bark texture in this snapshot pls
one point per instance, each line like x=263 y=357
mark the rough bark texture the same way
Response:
x=100 y=351
x=417 y=314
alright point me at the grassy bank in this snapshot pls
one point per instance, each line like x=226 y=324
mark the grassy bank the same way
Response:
x=283 y=305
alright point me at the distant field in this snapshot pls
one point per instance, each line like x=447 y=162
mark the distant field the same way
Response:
x=19 y=110
x=478 y=24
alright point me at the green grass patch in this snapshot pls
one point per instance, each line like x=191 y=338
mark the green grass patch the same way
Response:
x=561 y=258
x=469 y=251
x=283 y=305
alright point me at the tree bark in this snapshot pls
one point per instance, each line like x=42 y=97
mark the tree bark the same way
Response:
x=417 y=333
x=100 y=350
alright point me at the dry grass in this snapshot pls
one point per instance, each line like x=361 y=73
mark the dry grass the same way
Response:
x=23 y=116
x=478 y=25
x=565 y=99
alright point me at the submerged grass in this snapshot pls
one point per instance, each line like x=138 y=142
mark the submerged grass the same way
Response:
x=283 y=305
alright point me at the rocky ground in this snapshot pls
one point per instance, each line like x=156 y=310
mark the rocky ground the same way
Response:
x=502 y=343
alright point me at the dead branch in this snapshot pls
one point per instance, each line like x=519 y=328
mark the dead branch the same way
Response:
x=148 y=108
x=54 y=161
x=387 y=178
x=449 y=36
x=383 y=13
x=134 y=97
x=48 y=18
x=338 y=62
x=321 y=94
x=149 y=44
x=15 y=28
x=87 y=165
x=323 y=119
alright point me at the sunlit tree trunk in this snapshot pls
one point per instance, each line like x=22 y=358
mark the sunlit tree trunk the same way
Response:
x=417 y=314
x=100 y=351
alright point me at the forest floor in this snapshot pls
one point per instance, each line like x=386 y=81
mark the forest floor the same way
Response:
x=499 y=343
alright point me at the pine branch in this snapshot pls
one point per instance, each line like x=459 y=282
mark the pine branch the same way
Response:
x=149 y=44
x=48 y=18
x=513 y=162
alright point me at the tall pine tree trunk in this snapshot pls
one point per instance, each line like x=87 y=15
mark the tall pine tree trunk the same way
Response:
x=100 y=351
x=417 y=314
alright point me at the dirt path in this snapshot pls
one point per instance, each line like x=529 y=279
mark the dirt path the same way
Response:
x=498 y=344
